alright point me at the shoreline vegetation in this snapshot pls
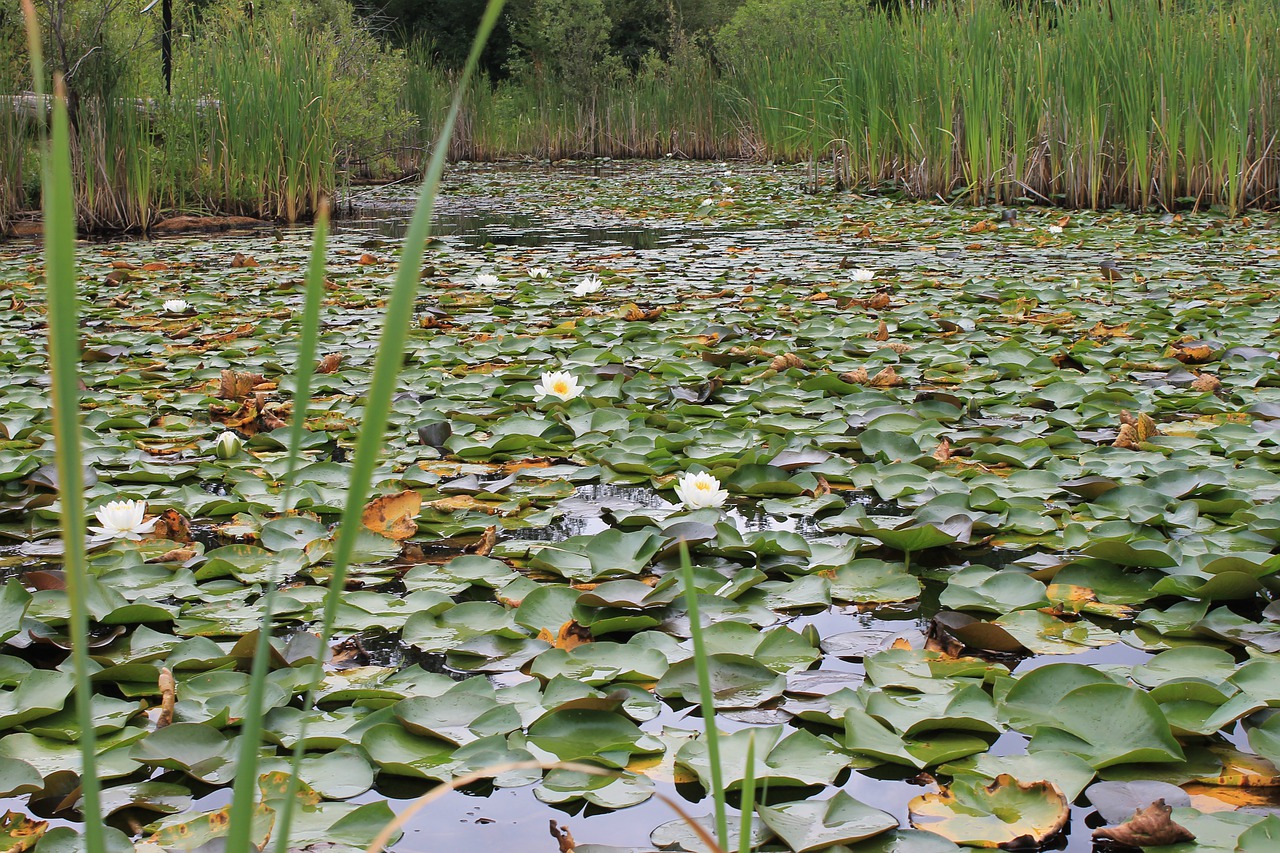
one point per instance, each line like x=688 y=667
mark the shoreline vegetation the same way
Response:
x=1140 y=104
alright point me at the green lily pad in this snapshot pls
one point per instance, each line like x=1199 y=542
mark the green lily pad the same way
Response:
x=816 y=824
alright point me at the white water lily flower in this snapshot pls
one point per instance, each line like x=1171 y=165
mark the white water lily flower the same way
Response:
x=707 y=202
x=697 y=491
x=486 y=279
x=175 y=306
x=539 y=272
x=1055 y=229
x=588 y=285
x=862 y=274
x=122 y=520
x=558 y=383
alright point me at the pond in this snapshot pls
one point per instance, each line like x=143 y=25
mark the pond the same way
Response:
x=1000 y=525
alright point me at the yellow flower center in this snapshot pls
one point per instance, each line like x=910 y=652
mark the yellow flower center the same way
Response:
x=560 y=387
x=702 y=486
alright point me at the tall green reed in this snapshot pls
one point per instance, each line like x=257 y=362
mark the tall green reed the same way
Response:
x=706 y=700
x=242 y=804
x=1085 y=105
x=395 y=331
x=707 y=707
x=267 y=139
x=15 y=143
x=64 y=360
x=251 y=129
x=679 y=108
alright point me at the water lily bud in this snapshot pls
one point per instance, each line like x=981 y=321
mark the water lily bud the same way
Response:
x=229 y=444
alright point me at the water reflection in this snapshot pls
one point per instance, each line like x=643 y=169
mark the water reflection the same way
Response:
x=487 y=818
x=482 y=228
x=590 y=508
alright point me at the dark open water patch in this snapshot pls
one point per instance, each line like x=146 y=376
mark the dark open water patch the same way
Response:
x=478 y=228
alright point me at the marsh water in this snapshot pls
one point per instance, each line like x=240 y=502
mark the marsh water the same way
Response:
x=728 y=268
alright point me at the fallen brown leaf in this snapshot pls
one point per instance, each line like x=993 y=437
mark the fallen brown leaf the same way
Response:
x=177 y=555
x=487 y=540
x=1149 y=827
x=1206 y=382
x=887 y=378
x=330 y=363
x=786 y=361
x=563 y=837
x=1194 y=352
x=244 y=418
x=171 y=525
x=823 y=487
x=634 y=313
x=348 y=654
x=237 y=385
x=569 y=637
x=168 y=697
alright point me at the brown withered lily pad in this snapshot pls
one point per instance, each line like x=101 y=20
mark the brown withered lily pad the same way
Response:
x=393 y=516
x=1006 y=814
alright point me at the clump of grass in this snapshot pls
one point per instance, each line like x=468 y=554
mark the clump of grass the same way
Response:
x=264 y=108
x=1086 y=105
x=268 y=146
x=15 y=145
x=677 y=108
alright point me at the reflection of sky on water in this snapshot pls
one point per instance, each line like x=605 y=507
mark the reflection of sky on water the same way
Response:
x=586 y=511
x=500 y=227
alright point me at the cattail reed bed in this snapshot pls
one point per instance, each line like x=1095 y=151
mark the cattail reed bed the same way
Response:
x=262 y=111
x=1134 y=103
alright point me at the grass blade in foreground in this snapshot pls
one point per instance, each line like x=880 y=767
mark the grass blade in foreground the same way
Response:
x=64 y=361
x=704 y=694
x=395 y=333
x=240 y=832
x=64 y=358
x=748 y=799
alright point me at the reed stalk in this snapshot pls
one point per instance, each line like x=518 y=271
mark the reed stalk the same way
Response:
x=395 y=331
x=64 y=360
x=706 y=699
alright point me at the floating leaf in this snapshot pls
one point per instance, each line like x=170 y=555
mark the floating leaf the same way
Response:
x=815 y=824
x=1006 y=813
